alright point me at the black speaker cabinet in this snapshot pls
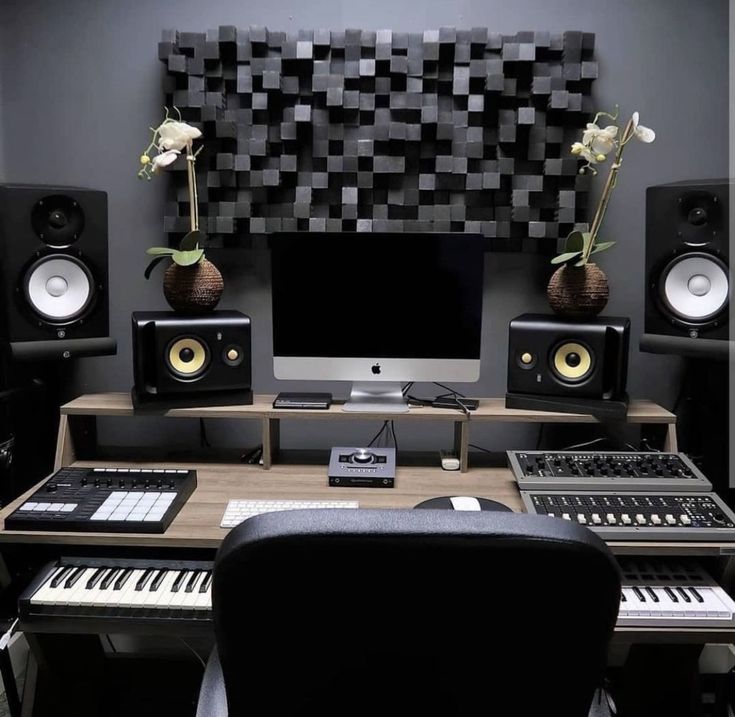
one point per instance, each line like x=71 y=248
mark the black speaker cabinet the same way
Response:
x=687 y=269
x=53 y=272
x=568 y=365
x=184 y=360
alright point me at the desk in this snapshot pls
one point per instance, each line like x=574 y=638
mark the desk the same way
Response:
x=196 y=527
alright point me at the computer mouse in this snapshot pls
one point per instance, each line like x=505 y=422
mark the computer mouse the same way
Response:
x=463 y=503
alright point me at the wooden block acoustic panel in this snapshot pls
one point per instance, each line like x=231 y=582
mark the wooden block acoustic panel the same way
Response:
x=445 y=130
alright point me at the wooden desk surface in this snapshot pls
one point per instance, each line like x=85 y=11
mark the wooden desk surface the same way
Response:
x=197 y=524
x=489 y=409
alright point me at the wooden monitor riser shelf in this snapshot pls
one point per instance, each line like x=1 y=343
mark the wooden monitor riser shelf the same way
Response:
x=78 y=418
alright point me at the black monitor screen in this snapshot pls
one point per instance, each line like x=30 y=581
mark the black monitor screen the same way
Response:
x=377 y=295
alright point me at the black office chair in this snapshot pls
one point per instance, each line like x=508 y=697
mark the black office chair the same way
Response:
x=410 y=612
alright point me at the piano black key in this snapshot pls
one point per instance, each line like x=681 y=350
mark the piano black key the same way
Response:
x=639 y=594
x=179 y=580
x=682 y=592
x=157 y=580
x=144 y=578
x=96 y=577
x=192 y=581
x=671 y=594
x=123 y=578
x=60 y=576
x=653 y=595
x=74 y=577
x=696 y=594
x=208 y=580
x=107 y=580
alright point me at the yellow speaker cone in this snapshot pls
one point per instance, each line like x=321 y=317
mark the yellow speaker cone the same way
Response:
x=187 y=357
x=572 y=361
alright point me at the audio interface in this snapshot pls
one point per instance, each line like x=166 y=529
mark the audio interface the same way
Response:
x=362 y=467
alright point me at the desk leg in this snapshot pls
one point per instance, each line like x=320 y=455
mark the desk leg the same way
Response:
x=76 y=439
x=69 y=675
x=271 y=441
x=461 y=443
x=671 y=444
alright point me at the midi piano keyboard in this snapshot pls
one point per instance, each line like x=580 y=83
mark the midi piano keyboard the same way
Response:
x=98 y=595
x=110 y=500
x=639 y=516
x=656 y=594
x=95 y=594
x=590 y=470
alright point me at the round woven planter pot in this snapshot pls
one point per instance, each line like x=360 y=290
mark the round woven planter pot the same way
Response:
x=578 y=290
x=194 y=289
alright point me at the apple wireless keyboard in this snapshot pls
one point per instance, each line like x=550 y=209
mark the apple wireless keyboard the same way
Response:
x=239 y=510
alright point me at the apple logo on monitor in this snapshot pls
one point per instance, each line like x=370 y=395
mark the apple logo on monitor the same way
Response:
x=375 y=368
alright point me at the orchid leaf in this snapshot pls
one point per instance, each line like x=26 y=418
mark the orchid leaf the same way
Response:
x=160 y=251
x=565 y=257
x=188 y=258
x=601 y=246
x=581 y=262
x=192 y=240
x=152 y=266
x=577 y=241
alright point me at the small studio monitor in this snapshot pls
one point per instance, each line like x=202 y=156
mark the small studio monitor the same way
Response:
x=687 y=269
x=53 y=272
x=184 y=360
x=568 y=365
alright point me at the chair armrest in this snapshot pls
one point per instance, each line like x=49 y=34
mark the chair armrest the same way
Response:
x=212 y=696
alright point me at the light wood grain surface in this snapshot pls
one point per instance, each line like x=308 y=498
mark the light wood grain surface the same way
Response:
x=489 y=409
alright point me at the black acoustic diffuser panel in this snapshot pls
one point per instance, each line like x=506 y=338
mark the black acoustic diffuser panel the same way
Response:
x=445 y=130
x=53 y=272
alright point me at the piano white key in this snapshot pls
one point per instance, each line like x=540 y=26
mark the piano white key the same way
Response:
x=71 y=596
x=204 y=599
x=163 y=594
x=45 y=595
x=90 y=596
x=190 y=599
x=177 y=598
x=120 y=597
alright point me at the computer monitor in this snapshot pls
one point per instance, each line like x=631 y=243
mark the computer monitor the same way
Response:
x=377 y=309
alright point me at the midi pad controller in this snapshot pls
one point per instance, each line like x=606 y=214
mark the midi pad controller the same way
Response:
x=639 y=516
x=108 y=500
x=588 y=470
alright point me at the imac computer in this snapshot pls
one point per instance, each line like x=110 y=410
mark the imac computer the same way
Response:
x=378 y=310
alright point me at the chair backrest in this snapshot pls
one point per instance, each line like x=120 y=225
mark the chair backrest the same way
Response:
x=414 y=612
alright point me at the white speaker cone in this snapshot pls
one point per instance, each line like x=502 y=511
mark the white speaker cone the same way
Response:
x=59 y=288
x=696 y=287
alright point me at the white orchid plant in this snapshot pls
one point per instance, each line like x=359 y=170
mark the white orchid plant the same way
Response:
x=596 y=145
x=169 y=140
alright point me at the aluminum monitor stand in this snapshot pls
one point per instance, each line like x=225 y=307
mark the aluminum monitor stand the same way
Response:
x=376 y=397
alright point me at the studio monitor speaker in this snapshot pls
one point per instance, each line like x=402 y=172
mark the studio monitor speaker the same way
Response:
x=53 y=272
x=183 y=360
x=687 y=269
x=568 y=365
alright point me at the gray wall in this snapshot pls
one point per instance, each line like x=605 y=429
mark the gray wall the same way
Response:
x=81 y=84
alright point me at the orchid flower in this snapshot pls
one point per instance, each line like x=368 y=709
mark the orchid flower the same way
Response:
x=164 y=159
x=176 y=135
x=600 y=141
x=644 y=134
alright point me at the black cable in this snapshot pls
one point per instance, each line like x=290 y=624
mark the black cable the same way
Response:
x=480 y=448
x=407 y=387
x=540 y=436
x=203 y=440
x=393 y=431
x=451 y=390
x=586 y=443
x=378 y=434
